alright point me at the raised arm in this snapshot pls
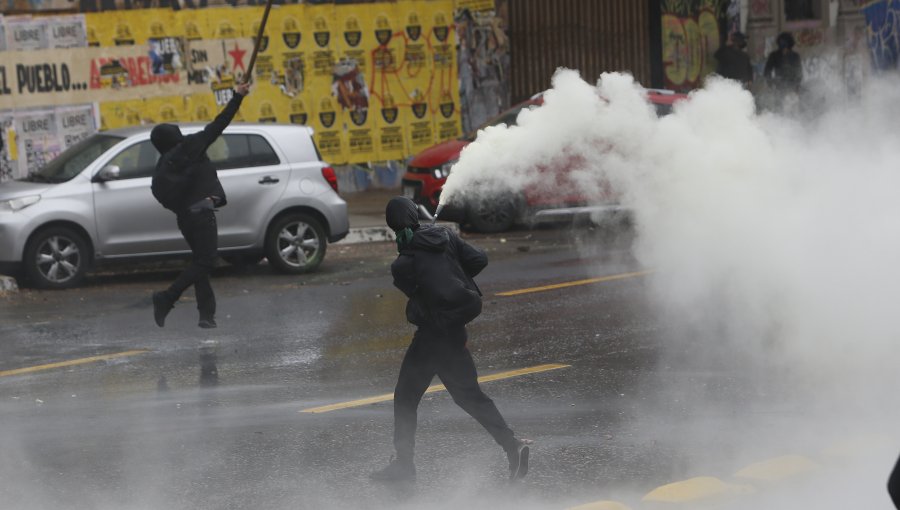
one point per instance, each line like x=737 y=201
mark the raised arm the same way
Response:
x=196 y=144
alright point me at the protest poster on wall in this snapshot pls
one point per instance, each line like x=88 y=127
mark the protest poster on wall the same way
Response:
x=377 y=81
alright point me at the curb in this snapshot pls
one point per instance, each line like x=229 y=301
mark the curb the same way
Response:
x=7 y=284
x=379 y=234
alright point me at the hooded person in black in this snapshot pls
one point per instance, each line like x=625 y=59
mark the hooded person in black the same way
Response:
x=195 y=208
x=894 y=485
x=435 y=269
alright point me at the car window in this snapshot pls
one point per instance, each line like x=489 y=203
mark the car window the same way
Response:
x=241 y=151
x=136 y=161
x=75 y=159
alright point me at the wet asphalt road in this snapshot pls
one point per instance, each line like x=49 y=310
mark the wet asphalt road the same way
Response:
x=187 y=425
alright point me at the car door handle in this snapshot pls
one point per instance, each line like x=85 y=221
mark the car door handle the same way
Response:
x=268 y=180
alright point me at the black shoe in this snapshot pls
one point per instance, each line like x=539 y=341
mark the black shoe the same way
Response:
x=397 y=471
x=518 y=459
x=207 y=323
x=161 y=307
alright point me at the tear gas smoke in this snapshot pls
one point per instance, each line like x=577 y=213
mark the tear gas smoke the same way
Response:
x=791 y=226
x=781 y=235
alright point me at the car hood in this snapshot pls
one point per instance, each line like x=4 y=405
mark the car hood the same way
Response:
x=16 y=189
x=439 y=154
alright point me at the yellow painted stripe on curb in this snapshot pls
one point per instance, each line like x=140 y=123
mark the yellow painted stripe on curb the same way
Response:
x=601 y=505
x=434 y=388
x=701 y=488
x=777 y=469
x=573 y=283
x=71 y=363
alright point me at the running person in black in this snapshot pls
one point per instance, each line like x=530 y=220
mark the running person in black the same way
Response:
x=195 y=208
x=435 y=270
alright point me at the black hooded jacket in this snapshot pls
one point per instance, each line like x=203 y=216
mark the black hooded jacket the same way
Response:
x=188 y=154
x=435 y=270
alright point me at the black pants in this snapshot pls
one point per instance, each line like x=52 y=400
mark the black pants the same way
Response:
x=201 y=233
x=443 y=354
x=894 y=485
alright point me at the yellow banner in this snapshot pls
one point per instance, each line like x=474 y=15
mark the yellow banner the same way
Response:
x=376 y=81
x=475 y=5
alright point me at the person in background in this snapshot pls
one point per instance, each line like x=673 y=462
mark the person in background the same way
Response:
x=732 y=60
x=894 y=485
x=195 y=207
x=784 y=69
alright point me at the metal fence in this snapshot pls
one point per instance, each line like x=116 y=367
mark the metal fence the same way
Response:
x=592 y=36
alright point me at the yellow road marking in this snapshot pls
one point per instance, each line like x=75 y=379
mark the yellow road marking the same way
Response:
x=777 y=469
x=71 y=363
x=701 y=488
x=574 y=283
x=434 y=388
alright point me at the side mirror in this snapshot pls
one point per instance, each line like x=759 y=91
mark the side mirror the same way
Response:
x=108 y=173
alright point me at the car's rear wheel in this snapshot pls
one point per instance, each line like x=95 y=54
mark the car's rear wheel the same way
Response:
x=295 y=243
x=56 y=258
x=492 y=214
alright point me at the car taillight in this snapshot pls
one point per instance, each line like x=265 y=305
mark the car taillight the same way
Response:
x=331 y=177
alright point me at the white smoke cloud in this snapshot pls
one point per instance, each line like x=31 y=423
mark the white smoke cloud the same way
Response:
x=789 y=228
x=776 y=240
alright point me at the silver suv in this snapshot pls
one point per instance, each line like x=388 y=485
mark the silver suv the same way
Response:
x=93 y=203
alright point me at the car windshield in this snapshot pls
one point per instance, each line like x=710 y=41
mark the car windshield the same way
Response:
x=74 y=160
x=508 y=117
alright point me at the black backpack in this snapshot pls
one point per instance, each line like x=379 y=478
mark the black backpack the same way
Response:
x=451 y=296
x=170 y=181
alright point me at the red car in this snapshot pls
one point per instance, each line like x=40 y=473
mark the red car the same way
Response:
x=427 y=172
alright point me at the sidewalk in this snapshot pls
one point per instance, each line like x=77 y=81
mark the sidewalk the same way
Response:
x=366 y=212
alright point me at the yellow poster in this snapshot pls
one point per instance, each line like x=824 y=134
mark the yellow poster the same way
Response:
x=165 y=109
x=118 y=114
x=155 y=24
x=376 y=81
x=444 y=100
x=436 y=21
x=475 y=5
x=390 y=131
x=360 y=29
x=387 y=89
x=323 y=45
x=298 y=112
x=228 y=22
x=201 y=107
x=329 y=131
x=289 y=42
x=191 y=23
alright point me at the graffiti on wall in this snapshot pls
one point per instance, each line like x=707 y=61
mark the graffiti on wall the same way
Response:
x=691 y=34
x=484 y=66
x=883 y=30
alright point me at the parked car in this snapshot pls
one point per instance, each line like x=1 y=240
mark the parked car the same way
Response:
x=427 y=172
x=93 y=204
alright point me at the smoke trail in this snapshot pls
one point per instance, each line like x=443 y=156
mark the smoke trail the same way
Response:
x=788 y=228
x=774 y=241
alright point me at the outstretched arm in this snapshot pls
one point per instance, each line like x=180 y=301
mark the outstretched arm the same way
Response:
x=196 y=144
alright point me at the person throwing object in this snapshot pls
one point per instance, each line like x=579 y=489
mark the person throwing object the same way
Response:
x=185 y=181
x=435 y=269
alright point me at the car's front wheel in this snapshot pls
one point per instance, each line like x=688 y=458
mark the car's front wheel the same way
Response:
x=56 y=258
x=492 y=214
x=295 y=243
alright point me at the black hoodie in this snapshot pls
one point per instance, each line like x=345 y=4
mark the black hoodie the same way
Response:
x=435 y=270
x=188 y=155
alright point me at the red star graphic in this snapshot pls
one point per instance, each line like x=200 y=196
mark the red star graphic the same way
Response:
x=237 y=55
